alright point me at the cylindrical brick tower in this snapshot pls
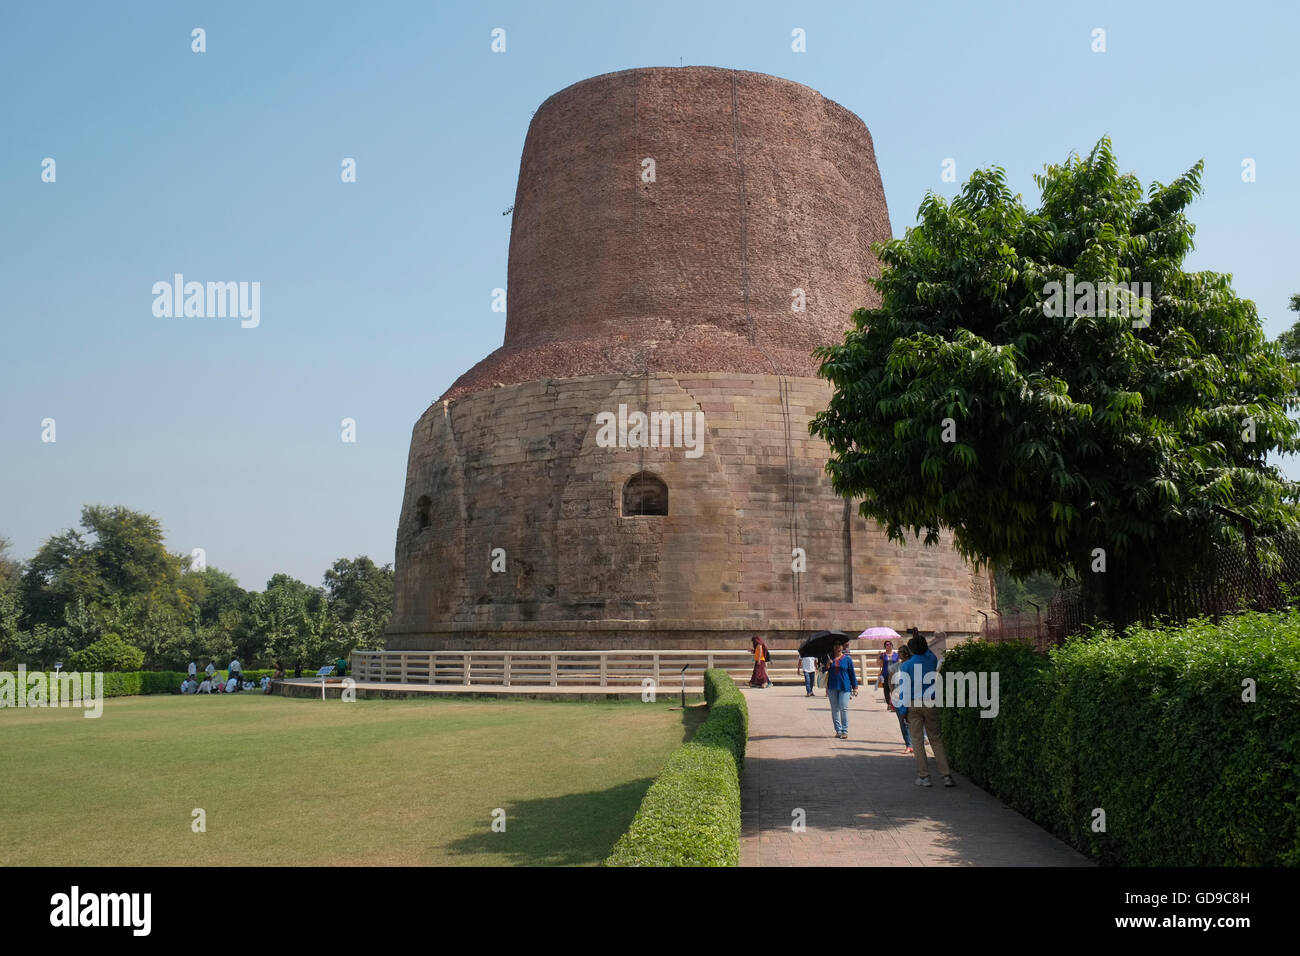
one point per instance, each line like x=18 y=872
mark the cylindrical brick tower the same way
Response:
x=682 y=240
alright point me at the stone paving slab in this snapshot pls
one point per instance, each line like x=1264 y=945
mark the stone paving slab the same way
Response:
x=862 y=807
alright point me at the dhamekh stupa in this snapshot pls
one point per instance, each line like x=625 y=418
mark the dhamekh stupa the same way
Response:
x=632 y=468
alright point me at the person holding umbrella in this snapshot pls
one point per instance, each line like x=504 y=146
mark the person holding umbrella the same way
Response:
x=841 y=684
x=885 y=658
x=818 y=647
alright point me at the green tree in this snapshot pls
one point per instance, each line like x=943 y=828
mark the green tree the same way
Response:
x=1014 y=594
x=10 y=601
x=128 y=551
x=1289 y=341
x=291 y=618
x=109 y=653
x=62 y=571
x=224 y=627
x=166 y=635
x=1048 y=438
x=39 y=647
x=360 y=597
x=119 y=553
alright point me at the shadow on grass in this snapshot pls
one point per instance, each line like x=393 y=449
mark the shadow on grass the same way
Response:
x=577 y=829
x=692 y=717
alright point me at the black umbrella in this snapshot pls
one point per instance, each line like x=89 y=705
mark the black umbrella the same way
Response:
x=819 y=645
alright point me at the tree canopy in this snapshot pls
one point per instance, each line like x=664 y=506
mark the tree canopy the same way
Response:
x=1045 y=427
x=111 y=592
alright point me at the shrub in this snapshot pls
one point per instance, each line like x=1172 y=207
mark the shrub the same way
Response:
x=109 y=653
x=1151 y=727
x=690 y=816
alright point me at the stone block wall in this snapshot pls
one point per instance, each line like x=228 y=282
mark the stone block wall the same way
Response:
x=519 y=468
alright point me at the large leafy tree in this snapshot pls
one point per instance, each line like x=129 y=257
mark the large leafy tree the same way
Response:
x=1047 y=437
x=360 y=596
x=292 y=618
x=118 y=555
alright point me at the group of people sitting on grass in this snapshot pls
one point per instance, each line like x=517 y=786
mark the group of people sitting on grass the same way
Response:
x=234 y=682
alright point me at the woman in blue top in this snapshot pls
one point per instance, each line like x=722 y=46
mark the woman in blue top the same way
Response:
x=841 y=684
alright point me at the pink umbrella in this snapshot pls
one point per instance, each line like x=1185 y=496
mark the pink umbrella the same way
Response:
x=880 y=634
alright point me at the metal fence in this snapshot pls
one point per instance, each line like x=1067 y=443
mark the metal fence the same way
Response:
x=1257 y=574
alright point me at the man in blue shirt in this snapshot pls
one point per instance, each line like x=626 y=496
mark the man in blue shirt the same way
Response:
x=919 y=696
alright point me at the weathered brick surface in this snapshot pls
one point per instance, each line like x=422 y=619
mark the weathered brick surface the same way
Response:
x=761 y=186
x=518 y=468
x=674 y=295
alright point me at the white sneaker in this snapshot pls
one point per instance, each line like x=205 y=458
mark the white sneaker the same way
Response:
x=923 y=782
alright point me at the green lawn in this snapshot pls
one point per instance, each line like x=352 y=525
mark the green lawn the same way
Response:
x=290 y=781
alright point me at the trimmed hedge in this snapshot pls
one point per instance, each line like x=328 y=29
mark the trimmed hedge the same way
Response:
x=690 y=816
x=1150 y=727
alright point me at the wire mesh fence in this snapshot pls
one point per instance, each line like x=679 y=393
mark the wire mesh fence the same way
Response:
x=1260 y=573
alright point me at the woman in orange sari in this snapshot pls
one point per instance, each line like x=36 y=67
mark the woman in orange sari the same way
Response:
x=761 y=657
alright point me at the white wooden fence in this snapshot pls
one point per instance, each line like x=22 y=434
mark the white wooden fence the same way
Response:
x=577 y=668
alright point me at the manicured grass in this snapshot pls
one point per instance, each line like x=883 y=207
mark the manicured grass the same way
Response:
x=287 y=781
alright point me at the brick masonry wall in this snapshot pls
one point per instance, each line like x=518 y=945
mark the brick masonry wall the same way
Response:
x=518 y=468
x=762 y=186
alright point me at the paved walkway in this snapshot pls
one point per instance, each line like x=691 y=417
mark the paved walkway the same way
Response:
x=862 y=807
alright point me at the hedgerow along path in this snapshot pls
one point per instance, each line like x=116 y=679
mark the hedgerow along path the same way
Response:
x=306 y=782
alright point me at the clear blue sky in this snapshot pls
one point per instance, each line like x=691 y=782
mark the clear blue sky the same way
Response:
x=376 y=295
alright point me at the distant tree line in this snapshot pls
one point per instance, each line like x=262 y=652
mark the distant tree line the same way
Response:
x=110 y=593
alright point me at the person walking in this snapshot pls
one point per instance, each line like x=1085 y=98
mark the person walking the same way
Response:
x=901 y=710
x=761 y=657
x=809 y=667
x=887 y=660
x=923 y=711
x=841 y=684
